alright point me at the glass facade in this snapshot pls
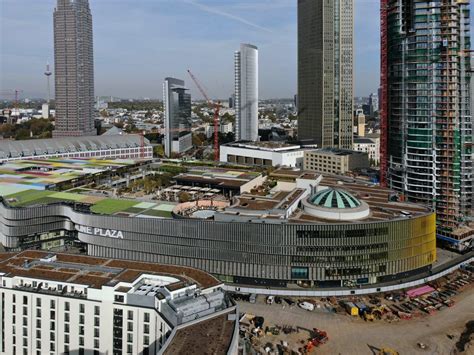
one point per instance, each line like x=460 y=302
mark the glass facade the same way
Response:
x=429 y=120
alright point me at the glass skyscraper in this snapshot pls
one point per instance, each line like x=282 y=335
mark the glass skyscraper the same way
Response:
x=74 y=69
x=325 y=72
x=426 y=118
x=177 y=107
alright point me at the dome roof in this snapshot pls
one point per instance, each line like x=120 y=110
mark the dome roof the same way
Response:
x=334 y=198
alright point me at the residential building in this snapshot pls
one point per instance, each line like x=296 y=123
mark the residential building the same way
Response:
x=335 y=161
x=177 y=107
x=74 y=69
x=45 y=111
x=263 y=154
x=71 y=304
x=325 y=72
x=371 y=146
x=246 y=93
x=223 y=127
x=426 y=124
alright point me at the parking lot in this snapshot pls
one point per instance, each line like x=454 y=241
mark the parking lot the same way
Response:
x=436 y=331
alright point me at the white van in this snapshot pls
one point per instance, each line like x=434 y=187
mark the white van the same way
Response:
x=253 y=298
x=306 y=305
x=270 y=299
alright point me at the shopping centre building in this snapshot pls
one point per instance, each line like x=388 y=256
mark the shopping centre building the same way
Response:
x=318 y=231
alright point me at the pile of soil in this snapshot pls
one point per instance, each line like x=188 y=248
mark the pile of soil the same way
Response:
x=466 y=340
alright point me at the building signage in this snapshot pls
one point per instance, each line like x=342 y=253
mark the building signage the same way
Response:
x=110 y=233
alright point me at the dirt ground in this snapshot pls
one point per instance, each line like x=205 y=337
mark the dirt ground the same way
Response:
x=347 y=335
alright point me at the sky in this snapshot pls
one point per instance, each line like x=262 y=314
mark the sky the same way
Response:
x=137 y=43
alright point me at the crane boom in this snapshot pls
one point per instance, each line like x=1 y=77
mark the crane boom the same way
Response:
x=217 y=107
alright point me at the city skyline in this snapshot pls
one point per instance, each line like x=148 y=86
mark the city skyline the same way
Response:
x=270 y=25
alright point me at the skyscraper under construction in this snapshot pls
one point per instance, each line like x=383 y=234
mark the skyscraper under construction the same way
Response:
x=426 y=145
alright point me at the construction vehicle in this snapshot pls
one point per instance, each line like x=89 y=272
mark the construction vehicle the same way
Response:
x=351 y=308
x=320 y=337
x=217 y=107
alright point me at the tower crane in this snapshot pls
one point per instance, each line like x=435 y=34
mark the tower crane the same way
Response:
x=13 y=93
x=217 y=108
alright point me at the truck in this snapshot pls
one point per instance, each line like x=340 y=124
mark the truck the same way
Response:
x=351 y=309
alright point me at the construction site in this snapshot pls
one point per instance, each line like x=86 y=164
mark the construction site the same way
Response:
x=432 y=319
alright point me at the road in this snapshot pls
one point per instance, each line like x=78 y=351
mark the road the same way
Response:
x=354 y=336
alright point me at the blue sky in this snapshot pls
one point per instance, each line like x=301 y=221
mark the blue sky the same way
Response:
x=139 y=42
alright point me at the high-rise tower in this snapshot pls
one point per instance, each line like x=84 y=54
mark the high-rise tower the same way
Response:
x=177 y=107
x=426 y=119
x=325 y=72
x=74 y=69
x=246 y=93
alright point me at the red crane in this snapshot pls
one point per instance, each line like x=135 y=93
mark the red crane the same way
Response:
x=217 y=108
x=14 y=93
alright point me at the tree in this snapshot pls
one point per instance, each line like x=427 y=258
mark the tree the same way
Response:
x=158 y=151
x=184 y=197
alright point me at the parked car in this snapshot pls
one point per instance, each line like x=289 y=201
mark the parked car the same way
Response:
x=270 y=299
x=307 y=306
x=253 y=298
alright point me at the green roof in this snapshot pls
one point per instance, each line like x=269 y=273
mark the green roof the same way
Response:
x=334 y=198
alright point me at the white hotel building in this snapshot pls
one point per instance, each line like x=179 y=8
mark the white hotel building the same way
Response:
x=70 y=304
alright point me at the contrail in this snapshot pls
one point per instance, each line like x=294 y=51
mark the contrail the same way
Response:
x=226 y=14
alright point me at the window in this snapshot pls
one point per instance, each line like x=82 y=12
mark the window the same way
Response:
x=66 y=349
x=96 y=332
x=147 y=317
x=67 y=306
x=66 y=317
x=299 y=273
x=38 y=344
x=130 y=337
x=66 y=328
x=146 y=340
x=38 y=302
x=96 y=343
x=52 y=336
x=130 y=326
x=38 y=323
x=146 y=329
x=52 y=304
x=38 y=312
x=25 y=299
x=130 y=315
x=96 y=321
x=81 y=308
x=25 y=332
x=52 y=346
x=81 y=341
x=96 y=310
x=129 y=349
x=52 y=326
x=81 y=330
x=66 y=338
x=52 y=315
x=25 y=311
x=38 y=334
x=81 y=319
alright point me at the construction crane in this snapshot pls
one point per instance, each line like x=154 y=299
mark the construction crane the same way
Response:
x=16 y=95
x=217 y=108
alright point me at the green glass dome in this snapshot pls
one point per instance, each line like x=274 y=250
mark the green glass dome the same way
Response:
x=334 y=198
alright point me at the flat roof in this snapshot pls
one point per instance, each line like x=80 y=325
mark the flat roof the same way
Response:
x=93 y=272
x=265 y=146
x=40 y=174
